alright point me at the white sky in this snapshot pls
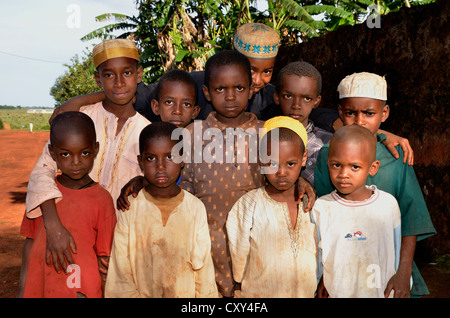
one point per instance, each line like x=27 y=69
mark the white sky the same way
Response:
x=38 y=37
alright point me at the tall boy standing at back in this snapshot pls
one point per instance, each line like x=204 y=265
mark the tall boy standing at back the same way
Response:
x=118 y=127
x=363 y=102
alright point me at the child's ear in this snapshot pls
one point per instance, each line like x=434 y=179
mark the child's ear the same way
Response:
x=155 y=106
x=139 y=74
x=141 y=165
x=317 y=102
x=385 y=113
x=97 y=79
x=206 y=93
x=374 y=168
x=250 y=92
x=52 y=152
x=195 y=111
x=96 y=147
x=276 y=98
x=305 y=157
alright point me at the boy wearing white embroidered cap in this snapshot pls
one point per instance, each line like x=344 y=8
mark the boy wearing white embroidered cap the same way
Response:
x=363 y=103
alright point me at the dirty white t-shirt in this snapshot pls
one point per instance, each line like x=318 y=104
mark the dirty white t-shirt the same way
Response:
x=359 y=243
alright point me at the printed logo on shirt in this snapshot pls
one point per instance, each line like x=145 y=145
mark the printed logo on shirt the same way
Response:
x=356 y=236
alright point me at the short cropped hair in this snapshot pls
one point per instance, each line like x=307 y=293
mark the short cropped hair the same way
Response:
x=300 y=68
x=159 y=129
x=225 y=58
x=176 y=76
x=73 y=122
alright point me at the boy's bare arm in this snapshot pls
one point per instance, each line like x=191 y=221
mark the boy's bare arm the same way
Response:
x=60 y=243
x=304 y=187
x=27 y=245
x=132 y=187
x=75 y=103
x=400 y=282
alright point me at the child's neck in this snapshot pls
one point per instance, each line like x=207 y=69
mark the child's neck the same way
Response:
x=287 y=196
x=358 y=195
x=163 y=193
x=83 y=183
x=233 y=122
x=122 y=112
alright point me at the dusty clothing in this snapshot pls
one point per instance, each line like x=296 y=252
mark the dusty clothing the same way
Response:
x=89 y=215
x=398 y=179
x=115 y=165
x=360 y=243
x=220 y=184
x=270 y=257
x=149 y=259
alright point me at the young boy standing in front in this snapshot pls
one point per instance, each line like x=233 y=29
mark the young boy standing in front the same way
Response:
x=86 y=210
x=117 y=125
x=358 y=225
x=298 y=89
x=363 y=102
x=162 y=246
x=273 y=243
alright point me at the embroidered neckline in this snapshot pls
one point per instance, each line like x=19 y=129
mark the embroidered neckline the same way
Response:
x=294 y=232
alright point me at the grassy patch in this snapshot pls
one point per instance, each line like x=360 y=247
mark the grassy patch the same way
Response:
x=20 y=119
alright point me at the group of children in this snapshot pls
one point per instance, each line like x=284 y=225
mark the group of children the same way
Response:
x=225 y=228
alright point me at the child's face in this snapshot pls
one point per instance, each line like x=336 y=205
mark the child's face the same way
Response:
x=262 y=70
x=74 y=154
x=176 y=103
x=119 y=78
x=349 y=164
x=229 y=92
x=291 y=159
x=297 y=97
x=362 y=111
x=159 y=167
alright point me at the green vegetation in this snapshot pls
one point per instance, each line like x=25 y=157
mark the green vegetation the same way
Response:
x=183 y=34
x=20 y=119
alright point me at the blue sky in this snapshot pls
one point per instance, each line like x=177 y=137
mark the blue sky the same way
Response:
x=38 y=37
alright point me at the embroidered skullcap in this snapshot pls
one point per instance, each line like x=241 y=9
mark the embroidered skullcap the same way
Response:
x=257 y=40
x=110 y=49
x=287 y=122
x=363 y=85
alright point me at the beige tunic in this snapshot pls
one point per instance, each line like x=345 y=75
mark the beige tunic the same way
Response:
x=270 y=257
x=115 y=165
x=152 y=260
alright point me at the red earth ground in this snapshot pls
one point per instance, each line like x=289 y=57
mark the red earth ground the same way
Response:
x=19 y=151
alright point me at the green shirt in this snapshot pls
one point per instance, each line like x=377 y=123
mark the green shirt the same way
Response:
x=398 y=179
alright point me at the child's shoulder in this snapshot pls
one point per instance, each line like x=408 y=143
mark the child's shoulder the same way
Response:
x=386 y=197
x=322 y=134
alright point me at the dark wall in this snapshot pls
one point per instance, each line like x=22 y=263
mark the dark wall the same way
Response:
x=411 y=48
